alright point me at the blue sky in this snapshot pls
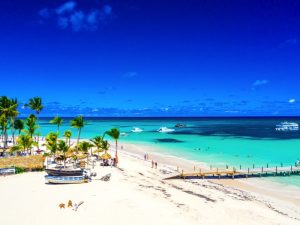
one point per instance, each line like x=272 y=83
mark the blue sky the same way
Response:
x=153 y=58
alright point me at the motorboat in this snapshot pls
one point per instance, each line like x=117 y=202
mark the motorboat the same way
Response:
x=287 y=126
x=66 y=179
x=165 y=130
x=123 y=134
x=180 y=125
x=136 y=130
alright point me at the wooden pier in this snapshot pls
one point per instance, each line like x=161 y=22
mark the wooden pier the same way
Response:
x=216 y=173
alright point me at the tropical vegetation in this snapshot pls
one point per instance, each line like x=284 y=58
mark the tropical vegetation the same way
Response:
x=23 y=136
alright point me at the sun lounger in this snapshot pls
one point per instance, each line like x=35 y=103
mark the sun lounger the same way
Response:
x=106 y=177
x=75 y=206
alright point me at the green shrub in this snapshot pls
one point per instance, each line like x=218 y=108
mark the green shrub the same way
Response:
x=19 y=170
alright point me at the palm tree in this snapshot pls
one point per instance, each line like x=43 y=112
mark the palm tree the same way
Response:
x=51 y=142
x=19 y=125
x=114 y=133
x=31 y=126
x=3 y=125
x=58 y=121
x=8 y=110
x=24 y=143
x=13 y=113
x=78 y=123
x=68 y=135
x=63 y=147
x=105 y=146
x=36 y=105
x=98 y=142
x=84 y=147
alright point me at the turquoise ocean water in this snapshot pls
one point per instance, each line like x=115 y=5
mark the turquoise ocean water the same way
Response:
x=216 y=141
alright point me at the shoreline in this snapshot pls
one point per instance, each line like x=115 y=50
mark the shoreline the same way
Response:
x=260 y=186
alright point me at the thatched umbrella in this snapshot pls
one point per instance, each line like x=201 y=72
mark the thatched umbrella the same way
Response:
x=105 y=156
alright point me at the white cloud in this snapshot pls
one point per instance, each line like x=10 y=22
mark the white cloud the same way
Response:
x=107 y=9
x=95 y=110
x=63 y=22
x=66 y=7
x=292 y=100
x=77 y=20
x=45 y=13
x=260 y=83
x=289 y=42
x=68 y=15
x=130 y=74
x=232 y=111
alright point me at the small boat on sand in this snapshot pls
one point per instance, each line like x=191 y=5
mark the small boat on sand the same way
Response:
x=66 y=179
x=64 y=172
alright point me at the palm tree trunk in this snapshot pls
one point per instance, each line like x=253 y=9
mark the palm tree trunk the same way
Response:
x=38 y=139
x=78 y=137
x=13 y=131
x=117 y=160
x=5 y=138
x=64 y=160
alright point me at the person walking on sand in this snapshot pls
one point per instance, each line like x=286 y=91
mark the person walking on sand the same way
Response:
x=152 y=164
x=145 y=157
x=155 y=165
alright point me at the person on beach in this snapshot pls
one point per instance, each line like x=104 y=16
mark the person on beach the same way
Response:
x=152 y=164
x=145 y=157
x=155 y=165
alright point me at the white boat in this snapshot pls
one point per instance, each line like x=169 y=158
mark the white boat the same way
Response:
x=165 y=130
x=136 y=130
x=287 y=126
x=123 y=134
x=66 y=179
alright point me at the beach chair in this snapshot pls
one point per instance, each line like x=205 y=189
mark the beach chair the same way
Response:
x=106 y=177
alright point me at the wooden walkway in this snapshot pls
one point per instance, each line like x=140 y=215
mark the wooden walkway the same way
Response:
x=236 y=173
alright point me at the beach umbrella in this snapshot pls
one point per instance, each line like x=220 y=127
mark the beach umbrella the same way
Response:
x=105 y=156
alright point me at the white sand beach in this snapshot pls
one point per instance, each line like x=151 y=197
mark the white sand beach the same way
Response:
x=137 y=194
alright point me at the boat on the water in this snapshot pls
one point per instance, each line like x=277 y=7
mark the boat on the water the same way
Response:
x=165 y=130
x=66 y=179
x=64 y=172
x=287 y=126
x=180 y=125
x=136 y=130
